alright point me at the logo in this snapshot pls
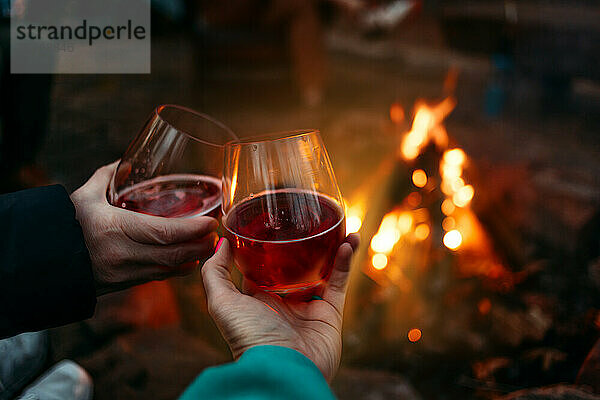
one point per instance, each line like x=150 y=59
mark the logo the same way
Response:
x=80 y=36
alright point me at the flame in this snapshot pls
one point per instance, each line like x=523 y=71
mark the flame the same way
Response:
x=426 y=128
x=393 y=226
x=411 y=222
x=354 y=216
x=453 y=185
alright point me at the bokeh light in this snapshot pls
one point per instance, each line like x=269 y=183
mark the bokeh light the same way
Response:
x=379 y=261
x=422 y=231
x=448 y=207
x=414 y=335
x=463 y=196
x=419 y=178
x=396 y=113
x=453 y=239
x=455 y=156
x=448 y=224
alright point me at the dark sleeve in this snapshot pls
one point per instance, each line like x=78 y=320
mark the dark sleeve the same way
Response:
x=45 y=271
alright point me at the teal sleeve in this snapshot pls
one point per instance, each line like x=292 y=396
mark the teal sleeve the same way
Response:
x=262 y=372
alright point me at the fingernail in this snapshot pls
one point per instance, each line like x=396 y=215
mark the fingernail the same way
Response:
x=219 y=243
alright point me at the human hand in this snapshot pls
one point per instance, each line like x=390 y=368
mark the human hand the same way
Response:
x=258 y=318
x=128 y=248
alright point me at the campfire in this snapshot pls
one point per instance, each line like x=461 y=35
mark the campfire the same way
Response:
x=440 y=271
x=437 y=210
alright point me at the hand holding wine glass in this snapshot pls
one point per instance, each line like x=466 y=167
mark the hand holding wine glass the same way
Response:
x=283 y=212
x=128 y=248
x=260 y=318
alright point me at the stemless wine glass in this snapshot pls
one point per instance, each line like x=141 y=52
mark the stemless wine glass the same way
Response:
x=283 y=211
x=173 y=167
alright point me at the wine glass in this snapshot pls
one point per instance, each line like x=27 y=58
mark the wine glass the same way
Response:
x=173 y=167
x=283 y=212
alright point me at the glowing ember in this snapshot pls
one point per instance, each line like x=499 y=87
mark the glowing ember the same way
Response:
x=419 y=178
x=396 y=113
x=452 y=239
x=484 y=306
x=379 y=261
x=414 y=335
x=422 y=231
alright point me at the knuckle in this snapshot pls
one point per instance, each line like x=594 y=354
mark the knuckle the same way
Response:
x=203 y=271
x=176 y=257
x=162 y=233
x=115 y=256
x=111 y=225
x=206 y=270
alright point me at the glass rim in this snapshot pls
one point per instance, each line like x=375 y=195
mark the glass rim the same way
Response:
x=207 y=117
x=273 y=137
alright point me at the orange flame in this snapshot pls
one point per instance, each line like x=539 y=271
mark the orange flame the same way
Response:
x=426 y=128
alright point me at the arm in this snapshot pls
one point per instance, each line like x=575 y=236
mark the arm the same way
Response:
x=57 y=253
x=285 y=349
x=262 y=372
x=45 y=271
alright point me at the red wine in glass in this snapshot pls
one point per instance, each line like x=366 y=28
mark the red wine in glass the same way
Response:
x=283 y=212
x=173 y=167
x=174 y=196
x=292 y=250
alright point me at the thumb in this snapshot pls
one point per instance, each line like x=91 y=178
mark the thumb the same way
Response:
x=216 y=275
x=335 y=292
x=151 y=229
